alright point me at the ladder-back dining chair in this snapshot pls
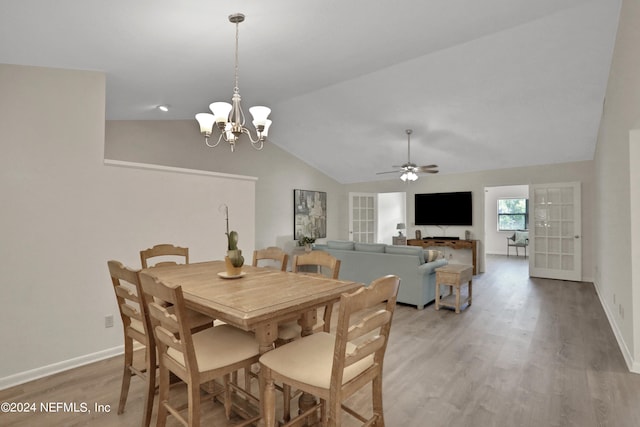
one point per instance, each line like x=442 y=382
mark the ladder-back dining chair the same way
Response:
x=137 y=327
x=196 y=358
x=272 y=256
x=318 y=263
x=334 y=366
x=168 y=253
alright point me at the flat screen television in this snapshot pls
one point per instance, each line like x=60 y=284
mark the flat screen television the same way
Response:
x=444 y=208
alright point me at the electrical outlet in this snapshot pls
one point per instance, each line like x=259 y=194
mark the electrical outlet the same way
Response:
x=614 y=298
x=108 y=321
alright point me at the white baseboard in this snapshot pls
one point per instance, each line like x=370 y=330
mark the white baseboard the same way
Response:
x=34 y=374
x=632 y=365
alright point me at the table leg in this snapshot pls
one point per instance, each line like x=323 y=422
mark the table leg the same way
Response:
x=457 y=298
x=470 y=290
x=266 y=335
x=437 y=296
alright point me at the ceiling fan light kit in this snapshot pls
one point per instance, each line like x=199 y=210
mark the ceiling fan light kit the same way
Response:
x=409 y=171
x=229 y=118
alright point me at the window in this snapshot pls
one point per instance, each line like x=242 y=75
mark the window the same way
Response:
x=513 y=214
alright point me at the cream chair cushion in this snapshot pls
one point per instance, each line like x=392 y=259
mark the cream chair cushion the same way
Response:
x=219 y=346
x=310 y=360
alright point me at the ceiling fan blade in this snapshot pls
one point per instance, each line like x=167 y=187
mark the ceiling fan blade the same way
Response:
x=380 y=173
x=427 y=167
x=429 y=171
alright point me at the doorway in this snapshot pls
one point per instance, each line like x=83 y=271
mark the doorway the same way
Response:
x=554 y=225
x=374 y=217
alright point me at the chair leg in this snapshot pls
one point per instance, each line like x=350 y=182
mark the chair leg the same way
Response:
x=268 y=393
x=126 y=374
x=163 y=397
x=286 y=402
x=334 y=416
x=150 y=357
x=377 y=401
x=193 y=396
x=227 y=396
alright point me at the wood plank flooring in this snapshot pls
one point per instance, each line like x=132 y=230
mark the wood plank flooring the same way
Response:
x=528 y=352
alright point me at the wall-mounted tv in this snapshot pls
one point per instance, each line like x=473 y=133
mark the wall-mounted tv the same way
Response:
x=444 y=208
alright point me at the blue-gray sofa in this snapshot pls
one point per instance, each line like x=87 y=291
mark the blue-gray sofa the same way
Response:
x=364 y=262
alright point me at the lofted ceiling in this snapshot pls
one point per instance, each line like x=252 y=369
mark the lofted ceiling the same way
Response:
x=484 y=84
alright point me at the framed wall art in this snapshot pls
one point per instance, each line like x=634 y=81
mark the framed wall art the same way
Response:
x=309 y=214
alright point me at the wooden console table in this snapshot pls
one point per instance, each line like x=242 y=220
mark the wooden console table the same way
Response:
x=454 y=244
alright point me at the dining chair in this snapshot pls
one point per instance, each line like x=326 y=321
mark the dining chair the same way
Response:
x=136 y=325
x=273 y=255
x=325 y=265
x=315 y=263
x=196 y=358
x=166 y=251
x=334 y=366
x=519 y=239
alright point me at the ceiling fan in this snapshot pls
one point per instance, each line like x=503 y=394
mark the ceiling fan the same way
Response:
x=409 y=171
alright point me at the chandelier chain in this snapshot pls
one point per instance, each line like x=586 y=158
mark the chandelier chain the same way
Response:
x=236 y=89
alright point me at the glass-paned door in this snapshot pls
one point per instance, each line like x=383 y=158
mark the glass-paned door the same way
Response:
x=554 y=239
x=362 y=217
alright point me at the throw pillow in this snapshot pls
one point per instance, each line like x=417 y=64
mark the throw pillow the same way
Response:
x=431 y=255
x=522 y=237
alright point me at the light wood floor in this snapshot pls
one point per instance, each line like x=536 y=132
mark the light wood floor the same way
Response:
x=528 y=352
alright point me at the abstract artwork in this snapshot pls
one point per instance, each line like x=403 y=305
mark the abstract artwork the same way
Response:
x=309 y=214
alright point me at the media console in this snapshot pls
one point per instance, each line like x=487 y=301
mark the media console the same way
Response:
x=450 y=243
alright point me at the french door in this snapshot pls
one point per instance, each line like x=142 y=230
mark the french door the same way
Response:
x=555 y=238
x=363 y=220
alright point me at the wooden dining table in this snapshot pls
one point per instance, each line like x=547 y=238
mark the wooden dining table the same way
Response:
x=257 y=300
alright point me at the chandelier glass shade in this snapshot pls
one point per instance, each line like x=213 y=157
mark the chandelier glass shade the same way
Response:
x=229 y=118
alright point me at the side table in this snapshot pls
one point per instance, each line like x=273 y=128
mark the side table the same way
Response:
x=454 y=276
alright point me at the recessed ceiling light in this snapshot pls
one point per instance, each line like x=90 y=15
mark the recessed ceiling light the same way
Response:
x=163 y=108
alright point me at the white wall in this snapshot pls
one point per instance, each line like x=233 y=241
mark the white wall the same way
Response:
x=65 y=214
x=616 y=280
x=178 y=143
x=495 y=242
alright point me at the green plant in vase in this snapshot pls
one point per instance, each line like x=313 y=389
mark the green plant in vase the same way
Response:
x=233 y=253
x=234 y=259
x=307 y=242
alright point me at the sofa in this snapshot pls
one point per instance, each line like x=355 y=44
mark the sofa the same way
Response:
x=364 y=262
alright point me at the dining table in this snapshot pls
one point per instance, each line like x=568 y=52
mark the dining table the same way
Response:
x=255 y=300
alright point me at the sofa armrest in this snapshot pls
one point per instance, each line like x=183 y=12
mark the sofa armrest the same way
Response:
x=429 y=267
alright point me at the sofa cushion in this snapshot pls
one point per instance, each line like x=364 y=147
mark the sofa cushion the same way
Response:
x=344 y=245
x=371 y=247
x=431 y=255
x=406 y=250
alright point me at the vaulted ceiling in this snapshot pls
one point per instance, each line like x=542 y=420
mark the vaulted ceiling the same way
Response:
x=484 y=84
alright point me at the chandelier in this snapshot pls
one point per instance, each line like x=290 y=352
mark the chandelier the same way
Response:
x=229 y=118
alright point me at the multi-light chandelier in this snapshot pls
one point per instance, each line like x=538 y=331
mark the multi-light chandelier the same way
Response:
x=229 y=118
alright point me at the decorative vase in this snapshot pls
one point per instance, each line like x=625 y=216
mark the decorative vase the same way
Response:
x=234 y=262
x=307 y=247
x=231 y=270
